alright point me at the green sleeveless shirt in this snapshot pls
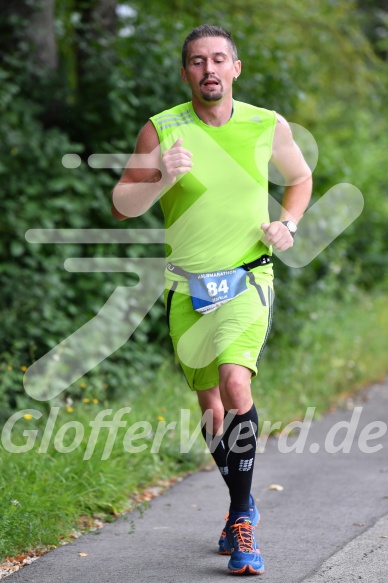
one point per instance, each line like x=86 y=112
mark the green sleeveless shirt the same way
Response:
x=213 y=212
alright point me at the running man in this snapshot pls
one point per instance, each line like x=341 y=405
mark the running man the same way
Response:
x=208 y=166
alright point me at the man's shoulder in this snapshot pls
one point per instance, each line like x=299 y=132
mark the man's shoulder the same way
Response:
x=181 y=113
x=253 y=113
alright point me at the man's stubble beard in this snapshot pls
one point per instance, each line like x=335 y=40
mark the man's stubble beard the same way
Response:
x=212 y=96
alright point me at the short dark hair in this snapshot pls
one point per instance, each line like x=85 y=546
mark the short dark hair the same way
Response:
x=204 y=31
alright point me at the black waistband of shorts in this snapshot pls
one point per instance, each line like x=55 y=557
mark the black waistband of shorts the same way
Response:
x=263 y=260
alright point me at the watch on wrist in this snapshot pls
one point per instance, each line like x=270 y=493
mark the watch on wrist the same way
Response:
x=291 y=226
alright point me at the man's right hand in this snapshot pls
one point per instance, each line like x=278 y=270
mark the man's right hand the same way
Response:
x=175 y=161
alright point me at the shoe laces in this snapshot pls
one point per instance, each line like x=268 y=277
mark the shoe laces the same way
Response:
x=243 y=531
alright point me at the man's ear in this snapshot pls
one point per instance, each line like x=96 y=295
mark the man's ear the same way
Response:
x=237 y=68
x=183 y=74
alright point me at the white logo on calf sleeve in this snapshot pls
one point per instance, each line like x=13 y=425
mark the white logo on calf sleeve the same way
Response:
x=245 y=465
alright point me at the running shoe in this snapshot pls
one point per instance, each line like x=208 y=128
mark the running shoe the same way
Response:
x=245 y=557
x=254 y=517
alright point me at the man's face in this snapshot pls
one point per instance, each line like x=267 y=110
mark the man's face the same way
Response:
x=210 y=68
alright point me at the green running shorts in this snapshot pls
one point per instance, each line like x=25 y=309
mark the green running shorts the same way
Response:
x=235 y=333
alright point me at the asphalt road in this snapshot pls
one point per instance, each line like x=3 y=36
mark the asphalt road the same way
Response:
x=329 y=524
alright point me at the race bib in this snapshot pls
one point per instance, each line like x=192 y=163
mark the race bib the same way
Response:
x=210 y=290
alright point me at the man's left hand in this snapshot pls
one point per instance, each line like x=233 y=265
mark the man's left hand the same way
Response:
x=278 y=235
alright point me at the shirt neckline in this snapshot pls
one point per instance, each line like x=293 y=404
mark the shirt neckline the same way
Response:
x=213 y=128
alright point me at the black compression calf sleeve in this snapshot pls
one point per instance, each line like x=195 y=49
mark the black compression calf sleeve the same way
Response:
x=217 y=448
x=240 y=439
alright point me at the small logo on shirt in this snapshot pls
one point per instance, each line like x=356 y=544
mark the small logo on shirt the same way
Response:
x=247 y=354
x=256 y=118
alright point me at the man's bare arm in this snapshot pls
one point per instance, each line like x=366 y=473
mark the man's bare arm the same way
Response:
x=288 y=159
x=144 y=178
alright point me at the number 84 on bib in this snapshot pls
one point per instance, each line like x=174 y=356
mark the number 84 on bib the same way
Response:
x=210 y=290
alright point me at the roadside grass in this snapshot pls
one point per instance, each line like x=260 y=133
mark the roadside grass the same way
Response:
x=45 y=495
x=341 y=348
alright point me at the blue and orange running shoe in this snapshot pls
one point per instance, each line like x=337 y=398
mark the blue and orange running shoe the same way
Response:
x=245 y=557
x=254 y=517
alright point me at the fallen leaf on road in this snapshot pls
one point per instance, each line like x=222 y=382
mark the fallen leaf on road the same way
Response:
x=13 y=564
x=384 y=536
x=358 y=523
x=276 y=487
x=83 y=554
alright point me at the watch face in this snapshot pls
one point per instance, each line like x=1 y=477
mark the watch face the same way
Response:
x=291 y=226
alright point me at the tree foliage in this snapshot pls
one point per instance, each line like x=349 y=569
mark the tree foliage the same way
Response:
x=89 y=74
